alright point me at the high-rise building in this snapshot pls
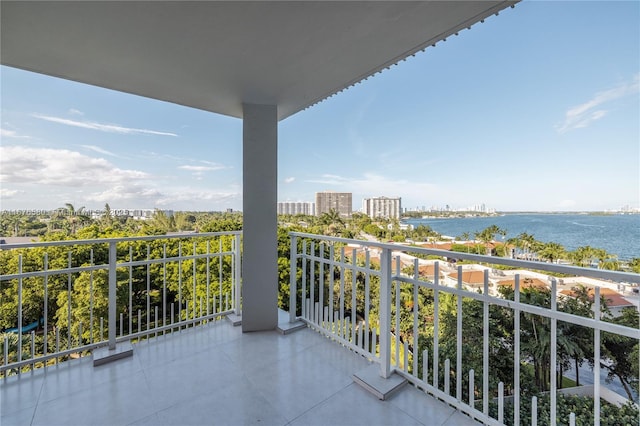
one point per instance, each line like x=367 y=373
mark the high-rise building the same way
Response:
x=384 y=207
x=330 y=200
x=297 y=207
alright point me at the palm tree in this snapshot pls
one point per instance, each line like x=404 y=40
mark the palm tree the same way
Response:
x=552 y=252
x=73 y=217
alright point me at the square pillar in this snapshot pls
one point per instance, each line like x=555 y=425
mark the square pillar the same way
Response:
x=260 y=220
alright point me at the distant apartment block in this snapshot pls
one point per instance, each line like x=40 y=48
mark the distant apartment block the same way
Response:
x=299 y=207
x=338 y=201
x=382 y=207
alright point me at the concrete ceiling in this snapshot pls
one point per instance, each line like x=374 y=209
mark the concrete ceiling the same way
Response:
x=215 y=55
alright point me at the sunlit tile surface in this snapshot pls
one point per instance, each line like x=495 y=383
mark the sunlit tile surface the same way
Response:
x=216 y=375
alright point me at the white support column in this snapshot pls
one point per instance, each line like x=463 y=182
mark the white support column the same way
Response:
x=260 y=222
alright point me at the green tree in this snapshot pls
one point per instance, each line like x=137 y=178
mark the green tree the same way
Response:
x=552 y=252
x=618 y=350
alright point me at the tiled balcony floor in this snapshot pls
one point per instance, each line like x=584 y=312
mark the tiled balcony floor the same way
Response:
x=216 y=375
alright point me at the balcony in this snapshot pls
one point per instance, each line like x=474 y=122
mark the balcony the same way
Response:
x=172 y=302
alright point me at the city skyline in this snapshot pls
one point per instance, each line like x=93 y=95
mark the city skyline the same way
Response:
x=503 y=115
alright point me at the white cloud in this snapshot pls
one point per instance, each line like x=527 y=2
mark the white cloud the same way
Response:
x=584 y=114
x=99 y=150
x=200 y=169
x=109 y=128
x=60 y=167
x=119 y=193
x=6 y=133
x=9 y=193
x=74 y=111
x=289 y=179
x=185 y=196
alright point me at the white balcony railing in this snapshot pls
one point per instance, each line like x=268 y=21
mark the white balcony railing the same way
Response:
x=65 y=298
x=444 y=335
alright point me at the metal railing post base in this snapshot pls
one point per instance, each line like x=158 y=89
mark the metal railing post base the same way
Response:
x=370 y=379
x=104 y=355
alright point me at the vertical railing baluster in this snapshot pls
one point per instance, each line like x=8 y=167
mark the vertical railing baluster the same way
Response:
x=220 y=267
x=321 y=285
x=69 y=286
x=139 y=322
x=131 y=289
x=121 y=324
x=516 y=352
x=312 y=282
x=164 y=285
x=194 y=273
x=374 y=341
x=46 y=304
x=436 y=322
x=33 y=348
x=148 y=282
x=342 y=294
x=416 y=308
x=354 y=287
x=57 y=342
x=572 y=419
x=485 y=345
x=179 y=283
x=447 y=376
x=6 y=354
x=397 y=285
x=367 y=299
x=112 y=295
x=90 y=299
x=425 y=366
x=385 y=312
x=596 y=359
x=553 y=368
x=472 y=403
x=459 y=338
x=406 y=356
x=293 y=274
x=305 y=311
x=330 y=304
x=534 y=411
x=20 y=310
x=209 y=277
x=501 y=402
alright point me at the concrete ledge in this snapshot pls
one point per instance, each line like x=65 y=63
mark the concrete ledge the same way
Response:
x=289 y=327
x=369 y=378
x=104 y=355
x=235 y=320
x=284 y=324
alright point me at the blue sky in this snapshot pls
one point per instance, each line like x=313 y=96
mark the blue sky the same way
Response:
x=535 y=109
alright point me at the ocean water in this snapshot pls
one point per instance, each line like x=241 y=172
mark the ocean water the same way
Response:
x=617 y=234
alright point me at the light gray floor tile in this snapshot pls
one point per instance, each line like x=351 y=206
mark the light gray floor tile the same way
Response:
x=354 y=406
x=17 y=418
x=298 y=383
x=459 y=419
x=115 y=402
x=237 y=403
x=20 y=392
x=79 y=374
x=421 y=406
